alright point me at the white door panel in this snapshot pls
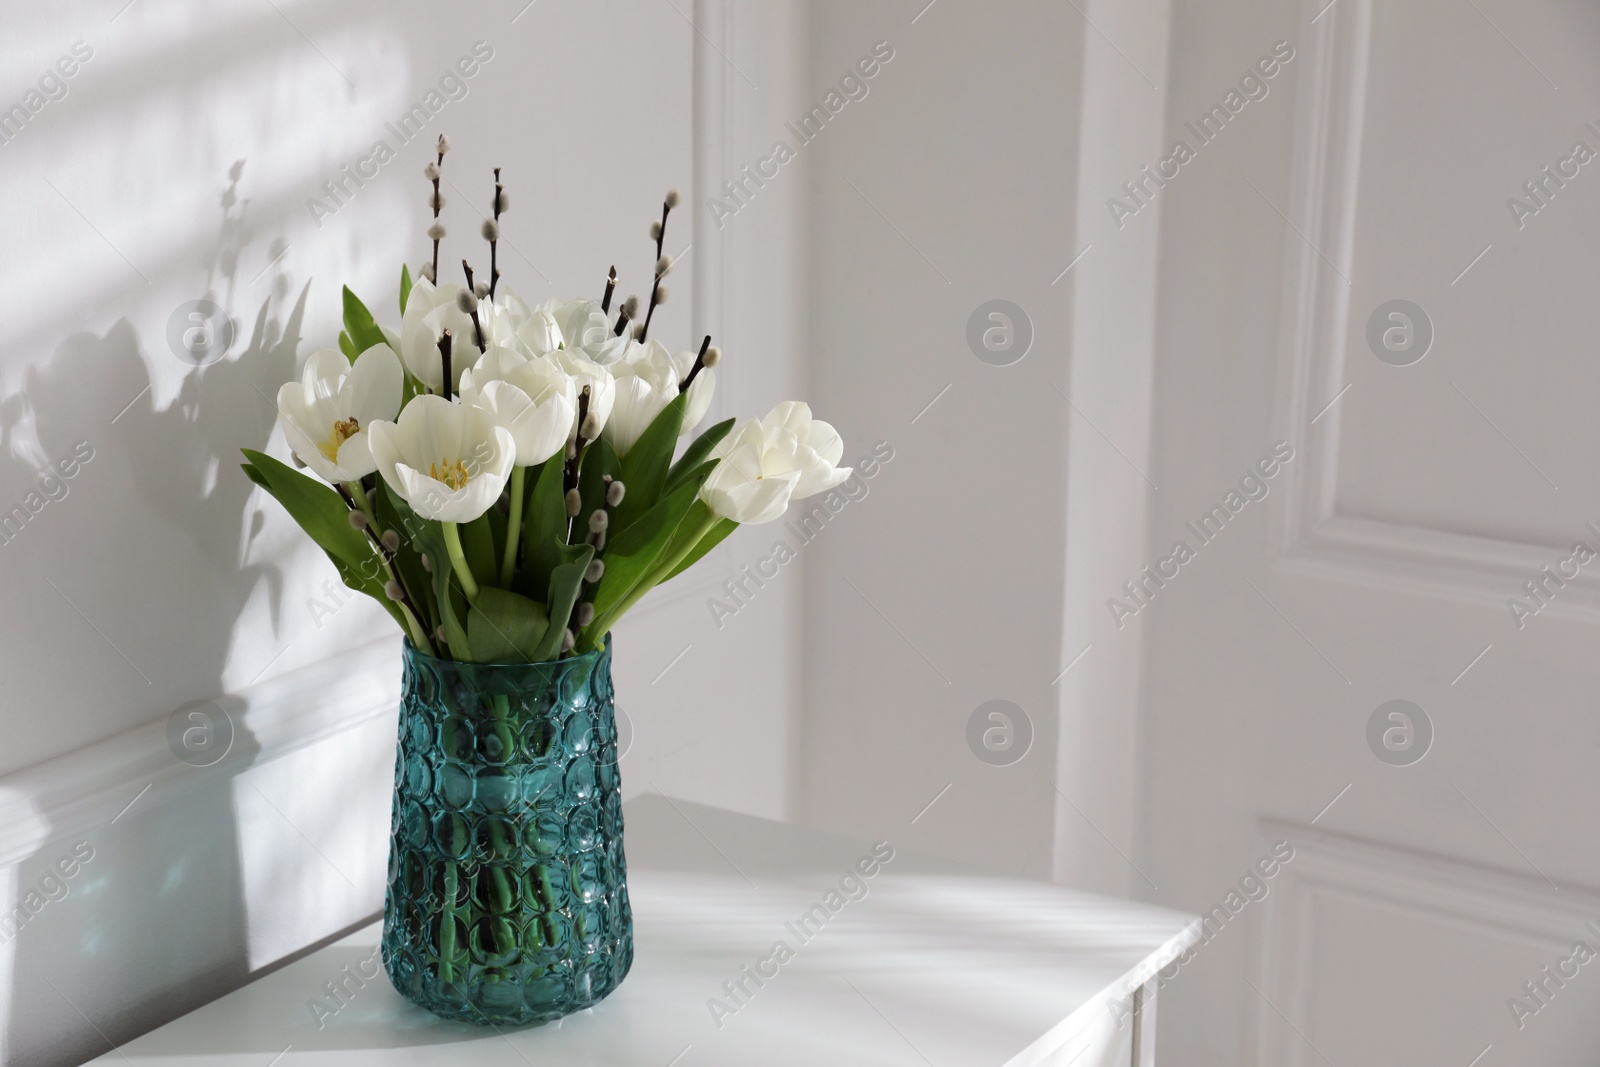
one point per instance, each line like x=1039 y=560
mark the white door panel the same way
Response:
x=1422 y=497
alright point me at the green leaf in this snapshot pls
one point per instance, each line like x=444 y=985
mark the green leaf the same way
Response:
x=504 y=627
x=256 y=476
x=319 y=510
x=566 y=581
x=477 y=544
x=599 y=460
x=711 y=540
x=644 y=468
x=347 y=346
x=696 y=514
x=322 y=514
x=362 y=580
x=364 y=332
x=552 y=555
x=696 y=454
x=544 y=526
x=635 y=551
x=405 y=287
x=497 y=540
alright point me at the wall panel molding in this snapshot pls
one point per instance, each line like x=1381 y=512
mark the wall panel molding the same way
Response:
x=1308 y=535
x=87 y=788
x=1107 y=507
x=1425 y=887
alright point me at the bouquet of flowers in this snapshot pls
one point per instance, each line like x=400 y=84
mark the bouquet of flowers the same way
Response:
x=505 y=478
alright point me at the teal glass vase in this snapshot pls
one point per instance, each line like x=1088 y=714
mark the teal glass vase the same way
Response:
x=507 y=898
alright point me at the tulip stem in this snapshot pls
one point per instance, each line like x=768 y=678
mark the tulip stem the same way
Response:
x=458 y=560
x=508 y=562
x=602 y=624
x=419 y=637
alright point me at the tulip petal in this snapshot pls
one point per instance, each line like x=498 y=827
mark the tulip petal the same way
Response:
x=383 y=441
x=700 y=393
x=374 y=385
x=825 y=441
x=636 y=404
x=307 y=449
x=355 y=457
x=323 y=371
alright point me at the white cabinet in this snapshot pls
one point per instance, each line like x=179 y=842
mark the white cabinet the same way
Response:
x=915 y=963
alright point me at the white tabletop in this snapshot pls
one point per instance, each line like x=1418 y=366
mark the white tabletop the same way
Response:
x=932 y=965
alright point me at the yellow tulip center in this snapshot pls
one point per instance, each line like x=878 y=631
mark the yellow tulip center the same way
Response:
x=343 y=430
x=453 y=474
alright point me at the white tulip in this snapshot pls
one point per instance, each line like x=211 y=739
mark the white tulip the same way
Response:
x=587 y=329
x=647 y=381
x=739 y=487
x=764 y=464
x=448 y=460
x=795 y=441
x=581 y=322
x=570 y=325
x=429 y=312
x=533 y=398
x=327 y=413
x=534 y=327
x=604 y=349
x=602 y=387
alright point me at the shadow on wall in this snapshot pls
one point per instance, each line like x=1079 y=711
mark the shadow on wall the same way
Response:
x=157 y=892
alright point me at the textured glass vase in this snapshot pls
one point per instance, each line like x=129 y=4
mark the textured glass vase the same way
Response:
x=508 y=898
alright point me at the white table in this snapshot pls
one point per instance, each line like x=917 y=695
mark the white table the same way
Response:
x=934 y=965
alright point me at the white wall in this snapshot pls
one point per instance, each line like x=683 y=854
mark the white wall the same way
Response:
x=977 y=565
x=718 y=727
x=1222 y=317
x=941 y=590
x=178 y=166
